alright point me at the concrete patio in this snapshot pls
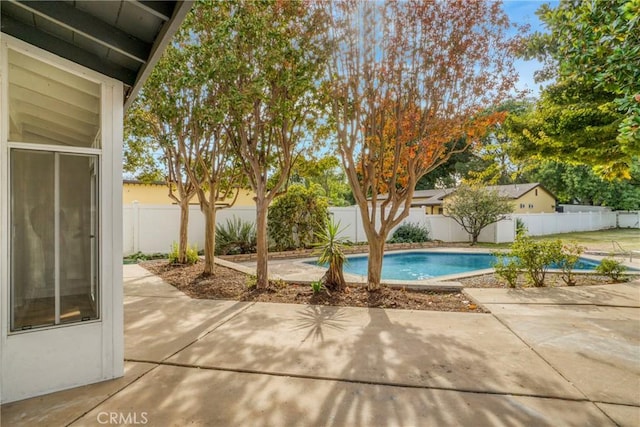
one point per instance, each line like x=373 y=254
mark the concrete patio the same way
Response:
x=565 y=356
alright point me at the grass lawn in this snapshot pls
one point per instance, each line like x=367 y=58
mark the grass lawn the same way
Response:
x=602 y=240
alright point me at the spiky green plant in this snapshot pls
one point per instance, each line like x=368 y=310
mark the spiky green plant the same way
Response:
x=330 y=250
x=235 y=237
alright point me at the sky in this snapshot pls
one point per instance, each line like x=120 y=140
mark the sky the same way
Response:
x=523 y=12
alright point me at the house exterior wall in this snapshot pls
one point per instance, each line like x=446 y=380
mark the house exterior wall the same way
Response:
x=158 y=194
x=433 y=210
x=52 y=358
x=537 y=200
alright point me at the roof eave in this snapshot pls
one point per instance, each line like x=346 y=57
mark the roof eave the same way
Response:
x=162 y=41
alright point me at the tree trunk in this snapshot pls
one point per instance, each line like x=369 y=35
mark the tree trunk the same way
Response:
x=474 y=239
x=209 y=238
x=333 y=279
x=374 y=269
x=262 y=245
x=184 y=228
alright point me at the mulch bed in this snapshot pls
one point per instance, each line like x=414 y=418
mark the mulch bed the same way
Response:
x=230 y=284
x=233 y=285
x=552 y=280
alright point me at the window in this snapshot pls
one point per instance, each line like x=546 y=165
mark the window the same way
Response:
x=530 y=206
x=522 y=205
x=536 y=191
x=51 y=106
x=54 y=157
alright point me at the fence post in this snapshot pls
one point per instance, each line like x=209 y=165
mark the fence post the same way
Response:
x=135 y=222
x=355 y=215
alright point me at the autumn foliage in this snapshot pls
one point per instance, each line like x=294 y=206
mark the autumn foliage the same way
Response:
x=400 y=148
x=408 y=85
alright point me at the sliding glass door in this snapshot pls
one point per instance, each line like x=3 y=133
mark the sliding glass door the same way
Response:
x=54 y=239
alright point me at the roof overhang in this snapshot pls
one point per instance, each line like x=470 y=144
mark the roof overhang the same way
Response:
x=122 y=39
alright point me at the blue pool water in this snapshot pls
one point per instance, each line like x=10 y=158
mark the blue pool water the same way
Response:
x=426 y=265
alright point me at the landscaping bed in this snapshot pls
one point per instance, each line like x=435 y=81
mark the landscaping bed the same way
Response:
x=233 y=285
x=552 y=280
x=230 y=284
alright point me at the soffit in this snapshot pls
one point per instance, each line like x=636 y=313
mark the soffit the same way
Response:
x=120 y=39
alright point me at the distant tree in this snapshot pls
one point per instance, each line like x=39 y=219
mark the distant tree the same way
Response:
x=593 y=50
x=490 y=161
x=407 y=80
x=576 y=183
x=497 y=163
x=327 y=173
x=453 y=171
x=474 y=208
x=572 y=122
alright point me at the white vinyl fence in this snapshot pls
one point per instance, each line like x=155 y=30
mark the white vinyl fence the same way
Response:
x=154 y=228
x=351 y=221
x=629 y=219
x=554 y=223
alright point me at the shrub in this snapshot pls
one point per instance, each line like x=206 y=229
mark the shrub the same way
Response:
x=139 y=256
x=506 y=268
x=612 y=268
x=316 y=286
x=410 y=233
x=192 y=254
x=235 y=237
x=521 y=228
x=295 y=217
x=568 y=259
x=251 y=281
x=535 y=257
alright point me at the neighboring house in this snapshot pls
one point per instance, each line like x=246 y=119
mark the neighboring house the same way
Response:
x=157 y=193
x=527 y=198
x=68 y=70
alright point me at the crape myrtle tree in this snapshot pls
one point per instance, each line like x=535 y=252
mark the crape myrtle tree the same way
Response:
x=176 y=111
x=215 y=167
x=406 y=81
x=140 y=155
x=267 y=58
x=159 y=119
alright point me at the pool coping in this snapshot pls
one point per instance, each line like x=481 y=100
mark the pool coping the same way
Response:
x=305 y=274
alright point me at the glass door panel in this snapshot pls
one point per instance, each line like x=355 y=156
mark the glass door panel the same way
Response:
x=77 y=234
x=53 y=246
x=32 y=239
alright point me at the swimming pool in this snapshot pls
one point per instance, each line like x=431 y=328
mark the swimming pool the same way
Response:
x=427 y=265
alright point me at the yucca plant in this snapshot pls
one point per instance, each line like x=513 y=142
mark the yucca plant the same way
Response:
x=330 y=250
